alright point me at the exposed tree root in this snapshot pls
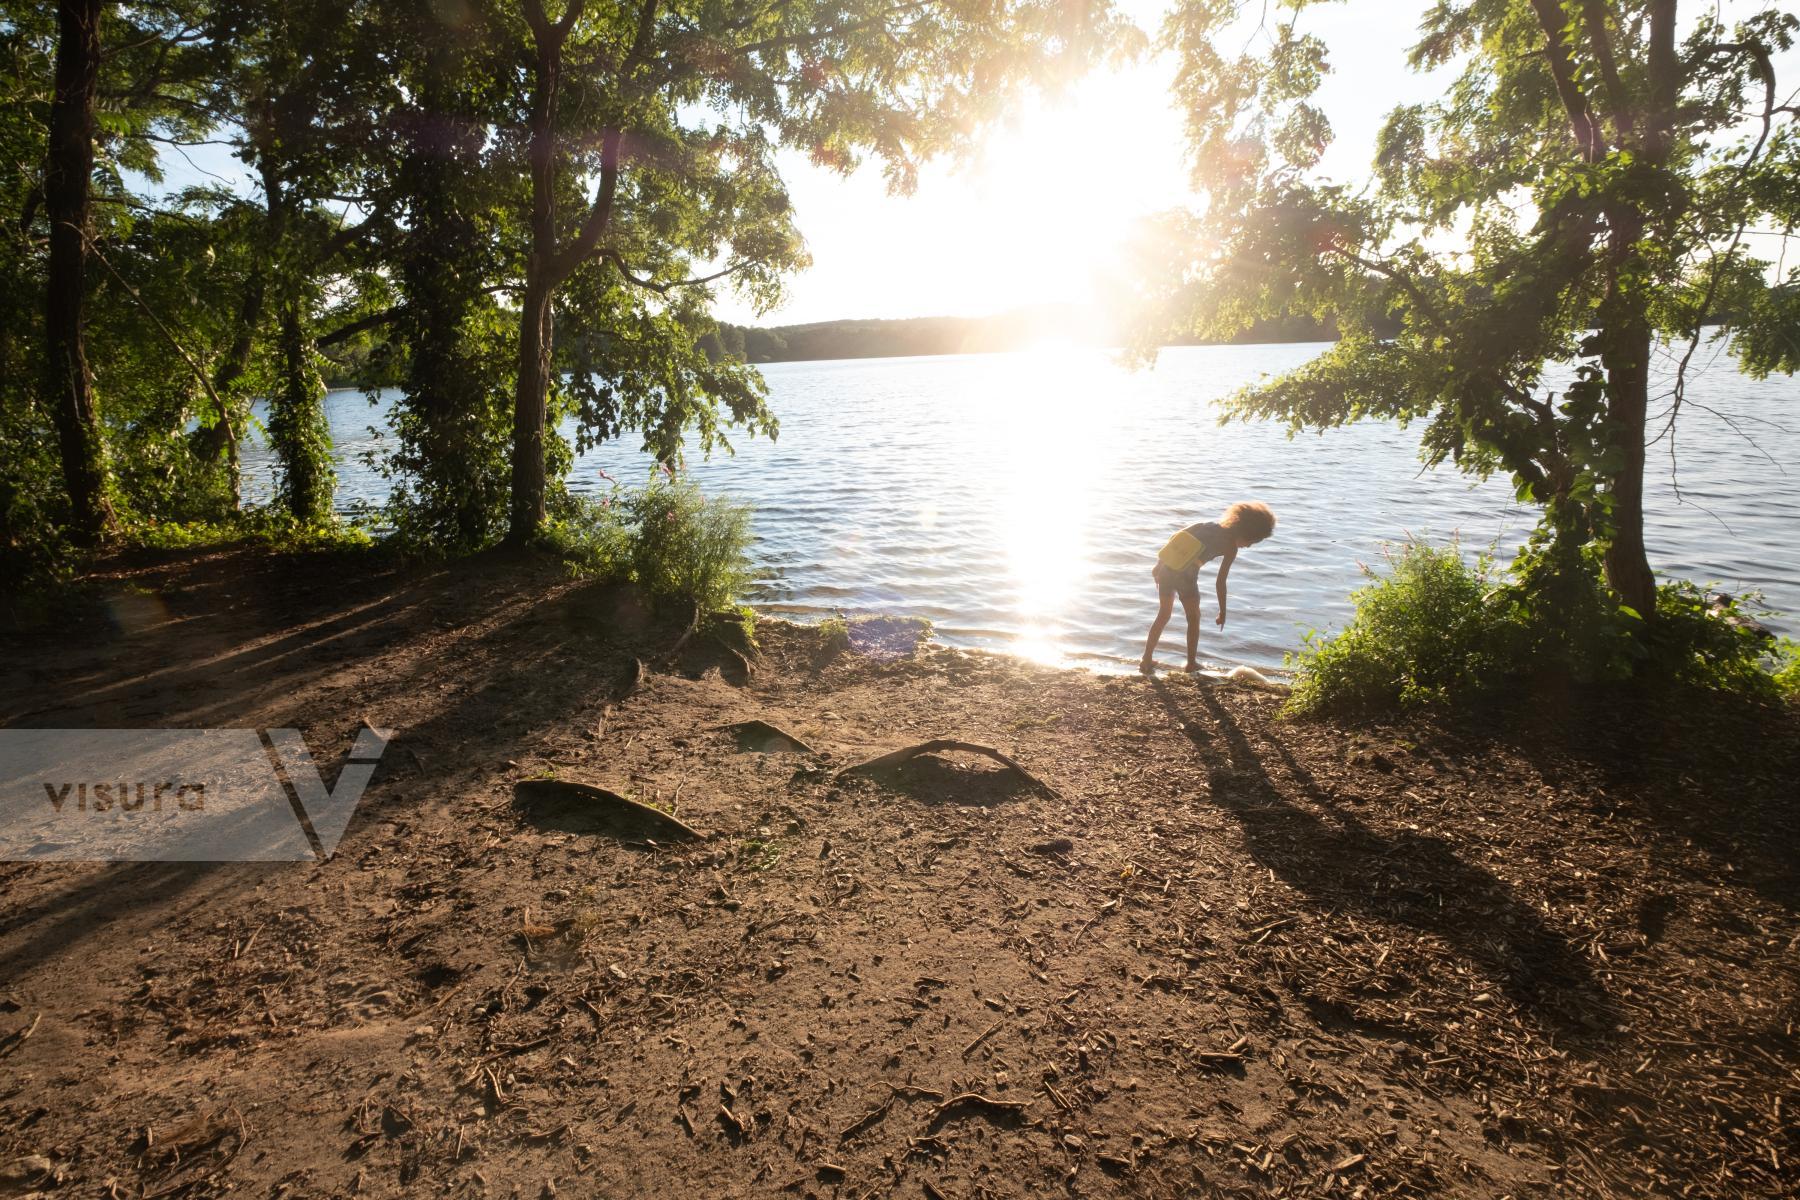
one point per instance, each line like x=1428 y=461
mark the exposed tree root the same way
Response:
x=975 y=1102
x=640 y=671
x=737 y=660
x=693 y=627
x=766 y=738
x=937 y=745
x=578 y=803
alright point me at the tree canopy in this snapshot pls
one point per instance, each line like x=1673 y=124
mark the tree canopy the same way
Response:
x=519 y=214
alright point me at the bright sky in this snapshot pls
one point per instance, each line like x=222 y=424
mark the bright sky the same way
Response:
x=1041 y=211
x=1037 y=216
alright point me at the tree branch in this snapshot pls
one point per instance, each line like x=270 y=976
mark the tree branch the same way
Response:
x=1405 y=281
x=818 y=36
x=1665 y=80
x=1594 y=12
x=344 y=333
x=1721 y=262
x=663 y=289
x=543 y=30
x=599 y=216
x=1562 y=73
x=342 y=239
x=1541 y=409
x=199 y=374
x=375 y=320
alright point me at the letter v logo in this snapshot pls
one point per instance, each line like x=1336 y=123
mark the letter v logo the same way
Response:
x=327 y=811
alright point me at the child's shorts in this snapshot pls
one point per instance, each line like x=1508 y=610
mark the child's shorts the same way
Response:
x=1185 y=584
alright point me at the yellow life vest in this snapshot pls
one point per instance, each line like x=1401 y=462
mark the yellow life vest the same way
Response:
x=1182 y=551
x=1185 y=551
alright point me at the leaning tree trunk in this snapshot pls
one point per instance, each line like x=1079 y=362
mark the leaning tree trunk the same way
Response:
x=68 y=167
x=220 y=439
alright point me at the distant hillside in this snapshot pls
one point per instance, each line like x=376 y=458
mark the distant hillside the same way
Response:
x=948 y=335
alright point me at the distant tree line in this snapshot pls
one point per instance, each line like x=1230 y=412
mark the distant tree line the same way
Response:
x=900 y=338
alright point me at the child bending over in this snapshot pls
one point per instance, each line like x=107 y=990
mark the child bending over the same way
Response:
x=1177 y=570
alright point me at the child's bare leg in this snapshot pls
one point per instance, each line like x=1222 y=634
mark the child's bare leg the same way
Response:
x=1165 y=607
x=1191 y=609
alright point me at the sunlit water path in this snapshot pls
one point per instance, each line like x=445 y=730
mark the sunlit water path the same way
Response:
x=1018 y=500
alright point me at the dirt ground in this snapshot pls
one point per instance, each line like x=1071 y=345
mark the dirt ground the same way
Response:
x=1220 y=953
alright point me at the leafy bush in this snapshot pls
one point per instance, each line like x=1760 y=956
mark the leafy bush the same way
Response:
x=668 y=537
x=1571 y=628
x=1435 y=630
x=590 y=535
x=687 y=545
x=1705 y=645
x=1431 y=629
x=1785 y=668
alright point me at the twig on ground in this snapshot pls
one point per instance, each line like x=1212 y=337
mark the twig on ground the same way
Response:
x=17 y=1038
x=982 y=1037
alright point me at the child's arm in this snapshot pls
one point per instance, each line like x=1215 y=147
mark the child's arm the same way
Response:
x=1224 y=570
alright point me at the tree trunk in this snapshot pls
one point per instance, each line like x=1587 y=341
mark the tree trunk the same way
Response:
x=297 y=423
x=1627 y=404
x=530 y=413
x=67 y=171
x=298 y=432
x=536 y=331
x=220 y=440
x=451 y=428
x=1626 y=330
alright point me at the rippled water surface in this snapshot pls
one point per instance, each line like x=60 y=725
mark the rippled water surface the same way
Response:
x=1018 y=500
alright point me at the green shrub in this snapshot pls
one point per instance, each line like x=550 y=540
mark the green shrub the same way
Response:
x=1700 y=645
x=1431 y=629
x=1436 y=630
x=1571 y=627
x=590 y=535
x=1784 y=670
x=668 y=537
x=688 y=546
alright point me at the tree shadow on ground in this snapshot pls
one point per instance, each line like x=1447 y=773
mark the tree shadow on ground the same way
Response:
x=1404 y=877
x=1705 y=767
x=61 y=918
x=487 y=656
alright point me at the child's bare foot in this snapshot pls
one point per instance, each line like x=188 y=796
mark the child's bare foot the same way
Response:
x=1192 y=667
x=1147 y=667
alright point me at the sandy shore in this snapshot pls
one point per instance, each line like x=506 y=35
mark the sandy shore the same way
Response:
x=1216 y=952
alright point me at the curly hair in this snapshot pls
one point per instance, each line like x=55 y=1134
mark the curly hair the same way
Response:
x=1250 y=519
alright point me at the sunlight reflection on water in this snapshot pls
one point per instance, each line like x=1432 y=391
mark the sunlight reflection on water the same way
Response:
x=1018 y=500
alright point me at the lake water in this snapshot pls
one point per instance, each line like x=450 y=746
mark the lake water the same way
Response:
x=1018 y=500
